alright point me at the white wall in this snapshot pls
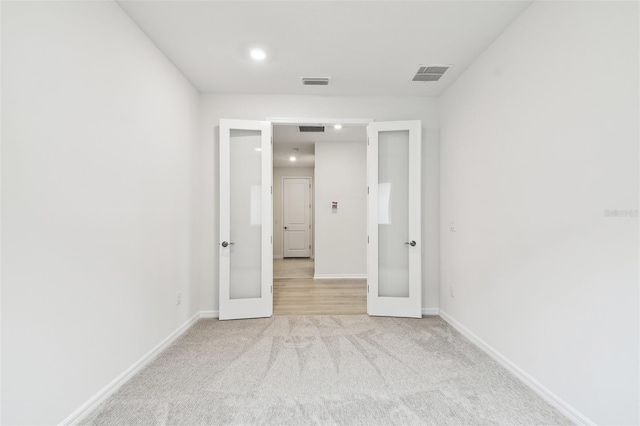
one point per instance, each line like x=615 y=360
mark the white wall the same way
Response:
x=99 y=138
x=260 y=107
x=278 y=174
x=539 y=137
x=341 y=234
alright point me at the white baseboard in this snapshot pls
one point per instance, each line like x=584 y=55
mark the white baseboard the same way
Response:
x=339 y=276
x=116 y=383
x=574 y=415
x=430 y=311
x=209 y=314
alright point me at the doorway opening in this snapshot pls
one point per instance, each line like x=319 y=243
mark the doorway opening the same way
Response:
x=320 y=215
x=392 y=223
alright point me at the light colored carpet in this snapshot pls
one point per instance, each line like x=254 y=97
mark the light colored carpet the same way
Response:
x=324 y=370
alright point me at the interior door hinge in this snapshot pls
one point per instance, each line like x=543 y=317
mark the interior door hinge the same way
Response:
x=367 y=189
x=367 y=239
x=367 y=140
x=367 y=288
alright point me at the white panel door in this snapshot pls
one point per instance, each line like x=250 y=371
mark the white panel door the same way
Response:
x=246 y=227
x=296 y=217
x=394 y=234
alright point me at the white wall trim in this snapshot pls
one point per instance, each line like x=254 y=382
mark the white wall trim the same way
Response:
x=430 y=311
x=116 y=383
x=208 y=314
x=339 y=276
x=574 y=415
x=319 y=121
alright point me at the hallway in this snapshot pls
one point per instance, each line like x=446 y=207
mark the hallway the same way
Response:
x=295 y=292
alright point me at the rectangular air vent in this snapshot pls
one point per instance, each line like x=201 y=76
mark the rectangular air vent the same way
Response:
x=430 y=72
x=307 y=129
x=315 y=81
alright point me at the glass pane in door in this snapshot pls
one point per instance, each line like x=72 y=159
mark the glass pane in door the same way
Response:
x=393 y=213
x=245 y=186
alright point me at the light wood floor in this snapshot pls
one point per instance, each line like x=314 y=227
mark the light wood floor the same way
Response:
x=306 y=296
x=293 y=268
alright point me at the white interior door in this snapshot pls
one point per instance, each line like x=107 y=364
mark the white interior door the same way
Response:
x=393 y=253
x=246 y=227
x=296 y=217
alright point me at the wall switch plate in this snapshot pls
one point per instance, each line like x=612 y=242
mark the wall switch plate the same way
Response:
x=178 y=294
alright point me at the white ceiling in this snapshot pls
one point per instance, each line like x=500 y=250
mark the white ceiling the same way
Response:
x=366 y=48
x=288 y=137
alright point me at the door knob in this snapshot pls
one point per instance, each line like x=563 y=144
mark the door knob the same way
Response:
x=225 y=244
x=285 y=227
x=411 y=243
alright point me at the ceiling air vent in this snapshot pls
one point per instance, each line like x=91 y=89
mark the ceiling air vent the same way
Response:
x=315 y=81
x=308 y=129
x=430 y=72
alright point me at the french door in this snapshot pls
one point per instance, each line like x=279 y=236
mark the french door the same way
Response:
x=246 y=244
x=246 y=222
x=394 y=232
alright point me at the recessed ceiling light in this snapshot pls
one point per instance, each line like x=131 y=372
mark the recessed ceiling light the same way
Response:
x=337 y=126
x=292 y=158
x=258 y=149
x=258 y=54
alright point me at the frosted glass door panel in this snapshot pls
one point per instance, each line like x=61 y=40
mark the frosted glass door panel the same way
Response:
x=245 y=274
x=393 y=222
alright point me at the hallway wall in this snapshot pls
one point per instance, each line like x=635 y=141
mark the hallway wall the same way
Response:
x=341 y=243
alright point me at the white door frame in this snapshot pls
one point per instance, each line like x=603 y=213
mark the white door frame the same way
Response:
x=320 y=121
x=311 y=201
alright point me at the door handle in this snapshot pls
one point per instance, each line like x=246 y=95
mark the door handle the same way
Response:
x=225 y=244
x=411 y=243
x=285 y=227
